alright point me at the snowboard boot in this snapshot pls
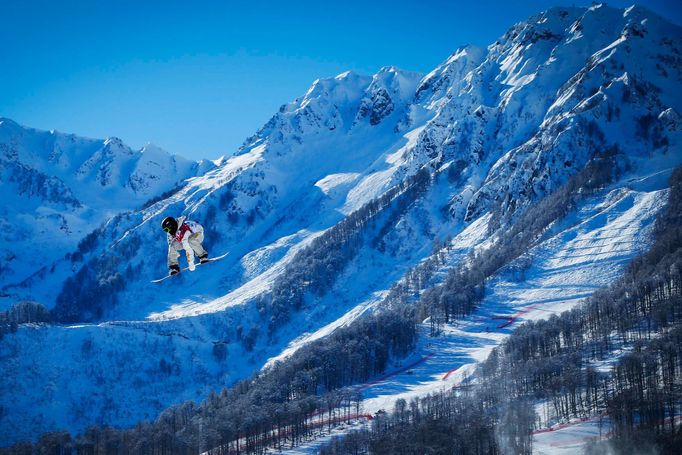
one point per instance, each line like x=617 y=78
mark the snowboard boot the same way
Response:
x=173 y=269
x=203 y=259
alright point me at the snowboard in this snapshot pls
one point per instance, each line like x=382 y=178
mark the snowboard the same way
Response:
x=185 y=269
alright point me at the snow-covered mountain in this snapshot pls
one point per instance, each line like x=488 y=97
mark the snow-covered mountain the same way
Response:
x=494 y=130
x=59 y=187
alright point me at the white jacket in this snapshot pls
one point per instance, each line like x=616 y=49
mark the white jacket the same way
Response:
x=188 y=237
x=186 y=228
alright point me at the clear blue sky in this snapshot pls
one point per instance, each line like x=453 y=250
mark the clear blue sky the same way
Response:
x=197 y=80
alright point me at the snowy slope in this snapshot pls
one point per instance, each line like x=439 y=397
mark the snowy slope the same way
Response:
x=59 y=187
x=513 y=123
x=583 y=253
x=497 y=127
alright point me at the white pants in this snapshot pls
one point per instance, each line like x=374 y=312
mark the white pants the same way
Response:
x=194 y=241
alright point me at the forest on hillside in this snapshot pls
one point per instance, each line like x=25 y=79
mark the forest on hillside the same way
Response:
x=550 y=362
x=555 y=362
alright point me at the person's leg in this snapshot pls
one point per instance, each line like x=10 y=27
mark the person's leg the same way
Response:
x=173 y=256
x=195 y=242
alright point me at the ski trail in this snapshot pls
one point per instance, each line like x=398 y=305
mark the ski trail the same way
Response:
x=568 y=265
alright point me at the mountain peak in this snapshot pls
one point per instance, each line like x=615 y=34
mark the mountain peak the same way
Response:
x=389 y=69
x=339 y=199
x=8 y=121
x=346 y=75
x=150 y=148
x=9 y=125
x=113 y=141
x=466 y=51
x=449 y=75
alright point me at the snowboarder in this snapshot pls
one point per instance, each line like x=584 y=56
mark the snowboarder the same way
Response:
x=187 y=235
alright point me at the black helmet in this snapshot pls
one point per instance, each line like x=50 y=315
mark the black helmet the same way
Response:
x=170 y=225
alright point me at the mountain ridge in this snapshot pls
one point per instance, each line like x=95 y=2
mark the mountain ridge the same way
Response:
x=65 y=186
x=495 y=130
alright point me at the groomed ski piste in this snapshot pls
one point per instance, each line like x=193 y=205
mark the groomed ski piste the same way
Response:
x=577 y=256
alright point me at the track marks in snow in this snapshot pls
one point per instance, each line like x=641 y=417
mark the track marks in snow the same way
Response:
x=586 y=252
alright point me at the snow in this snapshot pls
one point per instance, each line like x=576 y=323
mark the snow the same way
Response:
x=606 y=231
x=572 y=438
x=100 y=350
x=62 y=187
x=330 y=182
x=503 y=121
x=604 y=236
x=459 y=247
x=328 y=329
x=250 y=290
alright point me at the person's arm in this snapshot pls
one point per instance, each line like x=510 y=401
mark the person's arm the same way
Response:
x=195 y=227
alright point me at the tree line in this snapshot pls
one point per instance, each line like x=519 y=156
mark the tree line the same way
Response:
x=464 y=286
x=316 y=375
x=555 y=361
x=279 y=407
x=314 y=269
x=24 y=312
